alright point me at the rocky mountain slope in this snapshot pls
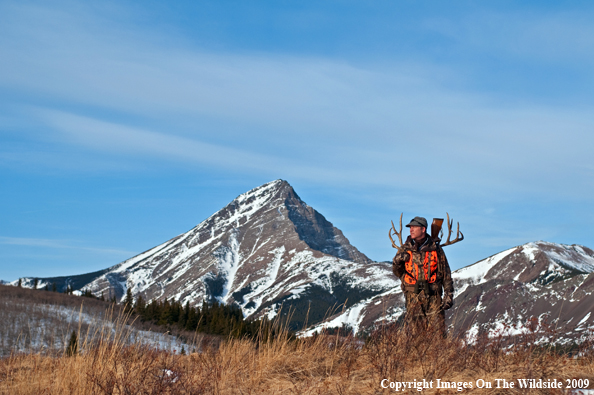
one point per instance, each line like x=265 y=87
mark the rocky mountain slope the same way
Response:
x=543 y=286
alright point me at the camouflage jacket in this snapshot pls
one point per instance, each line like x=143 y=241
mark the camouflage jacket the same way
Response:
x=444 y=274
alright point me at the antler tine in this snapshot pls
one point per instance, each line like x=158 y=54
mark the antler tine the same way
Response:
x=390 y=235
x=459 y=235
x=399 y=234
x=450 y=223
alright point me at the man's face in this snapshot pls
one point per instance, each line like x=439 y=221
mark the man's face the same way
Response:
x=417 y=232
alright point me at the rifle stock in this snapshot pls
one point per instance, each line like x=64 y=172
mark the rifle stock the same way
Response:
x=436 y=227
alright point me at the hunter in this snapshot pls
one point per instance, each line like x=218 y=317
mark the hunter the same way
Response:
x=425 y=275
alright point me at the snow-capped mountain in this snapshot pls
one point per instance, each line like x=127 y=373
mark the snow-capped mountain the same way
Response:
x=265 y=249
x=539 y=285
x=550 y=284
x=268 y=250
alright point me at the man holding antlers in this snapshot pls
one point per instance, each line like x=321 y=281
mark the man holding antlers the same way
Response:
x=425 y=274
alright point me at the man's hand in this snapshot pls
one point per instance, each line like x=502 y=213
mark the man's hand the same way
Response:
x=398 y=263
x=401 y=258
x=448 y=301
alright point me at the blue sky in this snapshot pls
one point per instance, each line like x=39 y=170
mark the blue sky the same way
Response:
x=123 y=124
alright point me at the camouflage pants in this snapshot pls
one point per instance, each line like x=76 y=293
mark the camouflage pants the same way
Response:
x=425 y=312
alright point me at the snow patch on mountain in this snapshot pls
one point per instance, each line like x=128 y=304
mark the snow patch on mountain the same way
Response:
x=584 y=320
x=479 y=306
x=530 y=250
x=571 y=256
x=460 y=288
x=263 y=287
x=243 y=207
x=229 y=259
x=477 y=272
x=124 y=266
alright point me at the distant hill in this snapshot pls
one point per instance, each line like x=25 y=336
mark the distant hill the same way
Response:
x=43 y=321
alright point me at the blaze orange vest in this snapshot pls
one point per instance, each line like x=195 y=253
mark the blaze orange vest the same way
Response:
x=429 y=267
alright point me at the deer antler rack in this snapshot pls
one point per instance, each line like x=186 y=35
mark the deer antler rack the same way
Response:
x=399 y=234
x=459 y=235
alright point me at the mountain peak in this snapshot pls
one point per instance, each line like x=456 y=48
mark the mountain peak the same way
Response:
x=278 y=199
x=269 y=189
x=538 y=261
x=265 y=247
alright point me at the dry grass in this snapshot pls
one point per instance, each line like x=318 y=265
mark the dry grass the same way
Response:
x=318 y=365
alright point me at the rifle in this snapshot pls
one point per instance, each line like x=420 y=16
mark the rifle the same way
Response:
x=436 y=228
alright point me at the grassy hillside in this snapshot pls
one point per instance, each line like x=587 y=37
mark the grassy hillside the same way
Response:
x=39 y=321
x=110 y=357
x=319 y=365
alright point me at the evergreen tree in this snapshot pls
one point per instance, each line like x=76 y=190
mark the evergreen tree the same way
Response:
x=129 y=300
x=185 y=314
x=214 y=318
x=35 y=283
x=165 y=312
x=72 y=345
x=175 y=314
x=193 y=318
x=54 y=287
x=151 y=313
x=20 y=284
x=140 y=305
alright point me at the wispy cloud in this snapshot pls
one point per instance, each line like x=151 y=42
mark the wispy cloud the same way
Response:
x=116 y=138
x=307 y=117
x=59 y=245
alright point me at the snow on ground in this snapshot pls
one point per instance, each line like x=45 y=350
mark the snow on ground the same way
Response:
x=351 y=317
x=89 y=330
x=471 y=334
